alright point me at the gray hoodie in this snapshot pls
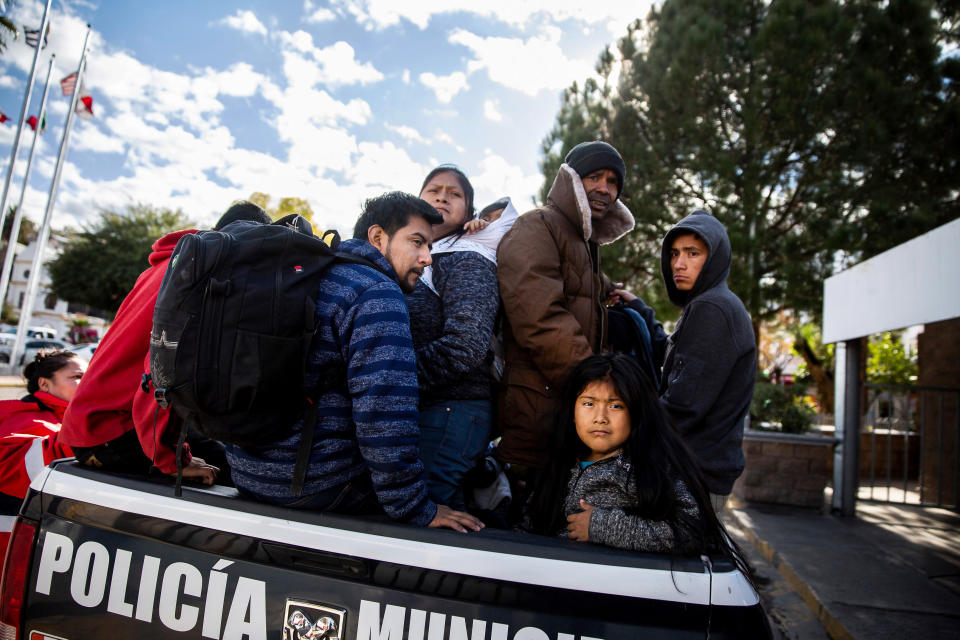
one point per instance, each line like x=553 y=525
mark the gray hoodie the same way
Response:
x=711 y=360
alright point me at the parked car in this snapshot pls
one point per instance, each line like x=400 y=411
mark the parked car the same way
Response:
x=31 y=347
x=6 y=343
x=85 y=350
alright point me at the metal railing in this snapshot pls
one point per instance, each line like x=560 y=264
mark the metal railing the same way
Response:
x=910 y=445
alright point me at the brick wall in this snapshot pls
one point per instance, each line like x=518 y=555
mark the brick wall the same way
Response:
x=785 y=468
x=938 y=356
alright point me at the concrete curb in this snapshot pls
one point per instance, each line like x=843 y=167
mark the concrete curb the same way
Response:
x=834 y=627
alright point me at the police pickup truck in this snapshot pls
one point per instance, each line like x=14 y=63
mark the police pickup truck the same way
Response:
x=96 y=555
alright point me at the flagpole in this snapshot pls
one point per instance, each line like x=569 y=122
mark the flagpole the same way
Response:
x=37 y=266
x=18 y=217
x=23 y=115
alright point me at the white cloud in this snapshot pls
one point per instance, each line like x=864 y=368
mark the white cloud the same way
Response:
x=333 y=65
x=380 y=14
x=530 y=66
x=491 y=110
x=498 y=178
x=89 y=137
x=445 y=87
x=385 y=167
x=245 y=21
x=320 y=15
x=446 y=138
x=239 y=80
x=408 y=133
x=321 y=140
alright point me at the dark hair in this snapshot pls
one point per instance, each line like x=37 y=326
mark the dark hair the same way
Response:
x=461 y=178
x=44 y=365
x=243 y=210
x=494 y=206
x=392 y=211
x=656 y=453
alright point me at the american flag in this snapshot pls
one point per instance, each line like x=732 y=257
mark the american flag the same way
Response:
x=32 y=36
x=68 y=84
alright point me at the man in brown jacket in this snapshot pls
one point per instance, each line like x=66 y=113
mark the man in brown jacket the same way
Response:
x=554 y=295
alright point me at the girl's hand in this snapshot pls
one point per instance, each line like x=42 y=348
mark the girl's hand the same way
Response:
x=474 y=226
x=578 y=524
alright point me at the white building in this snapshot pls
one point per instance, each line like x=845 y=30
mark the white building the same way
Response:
x=48 y=310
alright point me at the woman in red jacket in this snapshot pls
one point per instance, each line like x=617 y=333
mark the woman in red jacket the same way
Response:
x=29 y=429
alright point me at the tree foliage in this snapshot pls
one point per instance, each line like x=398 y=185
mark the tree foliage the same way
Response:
x=285 y=207
x=27 y=233
x=7 y=29
x=820 y=133
x=101 y=261
x=889 y=361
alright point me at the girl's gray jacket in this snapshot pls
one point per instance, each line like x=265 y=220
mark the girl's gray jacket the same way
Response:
x=608 y=485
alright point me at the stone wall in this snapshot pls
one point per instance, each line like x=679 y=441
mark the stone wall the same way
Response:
x=938 y=355
x=784 y=468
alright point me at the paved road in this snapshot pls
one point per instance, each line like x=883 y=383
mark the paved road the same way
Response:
x=790 y=617
x=12 y=392
x=892 y=572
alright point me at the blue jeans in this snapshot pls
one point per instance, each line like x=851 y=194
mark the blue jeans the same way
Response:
x=453 y=437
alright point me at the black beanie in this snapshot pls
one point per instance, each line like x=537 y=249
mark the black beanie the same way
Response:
x=587 y=157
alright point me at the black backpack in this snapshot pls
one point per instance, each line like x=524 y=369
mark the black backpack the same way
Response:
x=232 y=328
x=630 y=333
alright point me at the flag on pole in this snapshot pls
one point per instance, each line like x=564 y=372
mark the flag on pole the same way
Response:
x=68 y=84
x=85 y=103
x=3 y=117
x=32 y=36
x=32 y=121
x=85 y=106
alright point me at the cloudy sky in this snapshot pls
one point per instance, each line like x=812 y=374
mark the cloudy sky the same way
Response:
x=198 y=104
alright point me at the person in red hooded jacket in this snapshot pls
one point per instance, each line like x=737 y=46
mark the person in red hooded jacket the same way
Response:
x=112 y=423
x=29 y=428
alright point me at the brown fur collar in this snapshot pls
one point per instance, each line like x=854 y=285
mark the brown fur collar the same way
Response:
x=568 y=195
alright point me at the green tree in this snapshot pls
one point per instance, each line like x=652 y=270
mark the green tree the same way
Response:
x=820 y=133
x=819 y=362
x=26 y=235
x=7 y=28
x=285 y=207
x=889 y=362
x=101 y=261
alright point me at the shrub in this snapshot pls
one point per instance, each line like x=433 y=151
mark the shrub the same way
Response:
x=777 y=403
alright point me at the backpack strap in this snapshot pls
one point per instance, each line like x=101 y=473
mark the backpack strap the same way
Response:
x=178 y=486
x=305 y=447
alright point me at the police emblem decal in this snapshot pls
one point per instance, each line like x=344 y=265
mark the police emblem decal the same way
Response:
x=312 y=621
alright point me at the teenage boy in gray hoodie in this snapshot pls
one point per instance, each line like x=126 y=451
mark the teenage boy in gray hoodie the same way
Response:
x=711 y=358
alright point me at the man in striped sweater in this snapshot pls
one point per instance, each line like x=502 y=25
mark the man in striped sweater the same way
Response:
x=365 y=447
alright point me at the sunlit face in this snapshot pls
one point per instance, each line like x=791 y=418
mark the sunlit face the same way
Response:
x=407 y=250
x=447 y=197
x=601 y=187
x=64 y=381
x=602 y=420
x=688 y=253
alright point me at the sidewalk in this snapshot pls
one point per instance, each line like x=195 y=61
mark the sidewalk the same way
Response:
x=893 y=571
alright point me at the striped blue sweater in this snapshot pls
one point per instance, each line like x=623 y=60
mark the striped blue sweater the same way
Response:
x=370 y=421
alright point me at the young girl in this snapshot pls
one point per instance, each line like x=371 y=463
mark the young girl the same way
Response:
x=619 y=475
